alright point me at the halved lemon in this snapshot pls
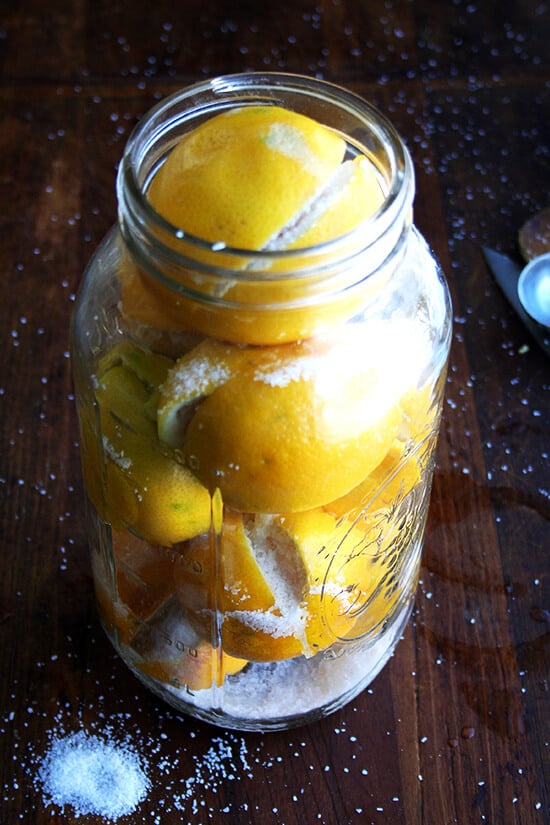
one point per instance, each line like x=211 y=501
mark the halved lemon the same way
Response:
x=199 y=668
x=384 y=487
x=295 y=427
x=195 y=376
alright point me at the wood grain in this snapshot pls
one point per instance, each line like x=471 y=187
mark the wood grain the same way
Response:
x=456 y=728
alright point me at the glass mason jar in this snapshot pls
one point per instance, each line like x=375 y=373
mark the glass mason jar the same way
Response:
x=258 y=430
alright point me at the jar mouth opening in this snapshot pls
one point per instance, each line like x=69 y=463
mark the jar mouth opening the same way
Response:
x=166 y=123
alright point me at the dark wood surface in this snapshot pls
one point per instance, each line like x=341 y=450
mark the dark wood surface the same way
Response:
x=456 y=729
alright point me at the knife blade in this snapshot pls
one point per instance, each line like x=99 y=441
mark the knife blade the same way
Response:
x=506 y=273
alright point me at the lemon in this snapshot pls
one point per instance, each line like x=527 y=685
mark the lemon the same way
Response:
x=384 y=487
x=401 y=468
x=151 y=492
x=241 y=176
x=276 y=587
x=171 y=504
x=194 y=376
x=149 y=367
x=143 y=582
x=144 y=574
x=297 y=427
x=293 y=427
x=142 y=615
x=255 y=178
x=199 y=668
x=119 y=622
x=146 y=487
x=259 y=311
x=353 y=195
x=167 y=648
x=343 y=570
x=234 y=586
x=274 y=452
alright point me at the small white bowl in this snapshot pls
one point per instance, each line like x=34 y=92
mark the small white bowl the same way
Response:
x=534 y=289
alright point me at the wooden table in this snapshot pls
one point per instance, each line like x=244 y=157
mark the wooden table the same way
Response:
x=456 y=729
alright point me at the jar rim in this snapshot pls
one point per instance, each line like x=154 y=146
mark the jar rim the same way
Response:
x=205 y=98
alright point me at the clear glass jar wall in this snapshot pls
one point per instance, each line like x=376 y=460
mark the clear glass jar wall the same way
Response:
x=258 y=430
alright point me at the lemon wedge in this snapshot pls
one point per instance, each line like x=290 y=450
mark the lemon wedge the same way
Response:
x=145 y=487
x=287 y=585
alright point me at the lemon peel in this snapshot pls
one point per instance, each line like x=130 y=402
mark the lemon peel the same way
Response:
x=296 y=430
x=386 y=485
x=256 y=178
x=197 y=669
x=241 y=176
x=352 y=195
x=167 y=648
x=193 y=377
x=146 y=487
x=233 y=593
x=149 y=367
x=276 y=587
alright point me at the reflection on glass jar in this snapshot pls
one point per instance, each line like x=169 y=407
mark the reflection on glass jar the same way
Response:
x=258 y=423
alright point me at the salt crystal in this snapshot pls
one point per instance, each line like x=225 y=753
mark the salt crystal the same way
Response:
x=118 y=457
x=92 y=776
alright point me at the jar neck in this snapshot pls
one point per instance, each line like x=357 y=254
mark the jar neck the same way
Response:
x=199 y=269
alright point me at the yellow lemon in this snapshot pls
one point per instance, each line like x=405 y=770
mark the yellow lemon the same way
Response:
x=147 y=488
x=392 y=547
x=354 y=195
x=384 y=487
x=241 y=176
x=421 y=409
x=172 y=504
x=227 y=581
x=256 y=178
x=336 y=573
x=152 y=492
x=275 y=587
x=195 y=669
x=195 y=376
x=258 y=312
x=127 y=391
x=400 y=469
x=354 y=573
x=167 y=648
x=297 y=428
x=149 y=367
x=141 y=615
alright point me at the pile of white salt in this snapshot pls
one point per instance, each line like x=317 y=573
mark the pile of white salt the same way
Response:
x=93 y=776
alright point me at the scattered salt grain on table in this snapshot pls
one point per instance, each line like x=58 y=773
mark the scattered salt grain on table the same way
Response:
x=93 y=776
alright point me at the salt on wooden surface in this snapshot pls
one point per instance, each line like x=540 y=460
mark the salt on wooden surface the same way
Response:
x=92 y=775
